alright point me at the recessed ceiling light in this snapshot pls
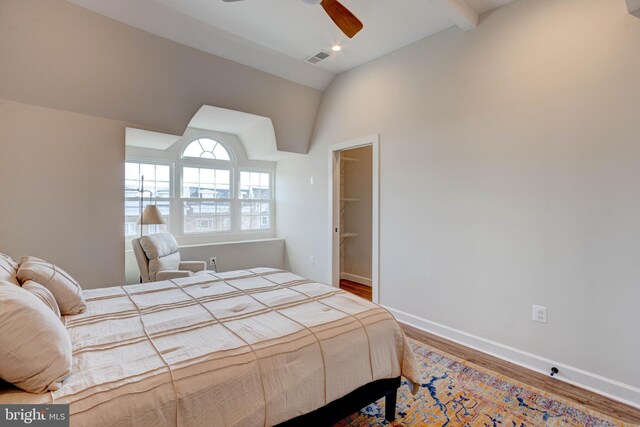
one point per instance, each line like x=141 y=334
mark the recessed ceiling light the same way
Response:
x=336 y=48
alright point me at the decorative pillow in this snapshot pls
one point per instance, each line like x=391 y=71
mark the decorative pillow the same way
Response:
x=35 y=348
x=65 y=289
x=8 y=269
x=43 y=294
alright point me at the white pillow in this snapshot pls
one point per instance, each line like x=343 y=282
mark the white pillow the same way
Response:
x=35 y=348
x=65 y=289
x=8 y=269
x=43 y=295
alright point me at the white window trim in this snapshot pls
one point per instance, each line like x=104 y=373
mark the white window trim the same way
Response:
x=270 y=201
x=154 y=199
x=227 y=166
x=175 y=225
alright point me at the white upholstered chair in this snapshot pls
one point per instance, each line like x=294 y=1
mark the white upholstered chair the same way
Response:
x=158 y=258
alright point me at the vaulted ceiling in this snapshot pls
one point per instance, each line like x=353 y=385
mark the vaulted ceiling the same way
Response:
x=277 y=35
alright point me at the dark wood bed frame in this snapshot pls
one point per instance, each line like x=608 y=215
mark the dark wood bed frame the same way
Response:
x=352 y=402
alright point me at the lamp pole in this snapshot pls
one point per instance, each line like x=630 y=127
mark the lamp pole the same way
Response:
x=141 y=190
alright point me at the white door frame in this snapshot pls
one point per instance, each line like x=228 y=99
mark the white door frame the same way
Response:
x=334 y=210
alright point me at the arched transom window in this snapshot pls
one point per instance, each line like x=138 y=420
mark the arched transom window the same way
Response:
x=206 y=148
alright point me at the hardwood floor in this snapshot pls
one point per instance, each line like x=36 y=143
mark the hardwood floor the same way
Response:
x=363 y=291
x=579 y=395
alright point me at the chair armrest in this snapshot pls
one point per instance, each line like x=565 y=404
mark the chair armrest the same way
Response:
x=193 y=266
x=172 y=274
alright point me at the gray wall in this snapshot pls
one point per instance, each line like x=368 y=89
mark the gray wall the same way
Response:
x=61 y=181
x=510 y=176
x=56 y=54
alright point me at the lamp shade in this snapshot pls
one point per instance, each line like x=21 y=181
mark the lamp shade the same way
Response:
x=151 y=215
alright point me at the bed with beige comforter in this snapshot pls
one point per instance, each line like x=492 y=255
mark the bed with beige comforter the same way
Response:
x=247 y=348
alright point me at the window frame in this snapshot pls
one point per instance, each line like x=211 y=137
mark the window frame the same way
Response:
x=178 y=161
x=154 y=199
x=225 y=146
x=182 y=199
x=271 y=200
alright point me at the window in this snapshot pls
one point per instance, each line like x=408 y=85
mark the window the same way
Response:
x=206 y=198
x=201 y=190
x=206 y=148
x=157 y=179
x=255 y=195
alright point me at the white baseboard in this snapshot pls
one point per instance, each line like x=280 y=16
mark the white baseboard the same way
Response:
x=613 y=389
x=355 y=278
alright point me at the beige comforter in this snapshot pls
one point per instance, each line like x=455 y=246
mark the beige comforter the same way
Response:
x=247 y=348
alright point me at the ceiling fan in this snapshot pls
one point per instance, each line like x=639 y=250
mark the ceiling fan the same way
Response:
x=340 y=15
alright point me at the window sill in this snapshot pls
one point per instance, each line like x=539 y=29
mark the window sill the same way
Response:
x=230 y=242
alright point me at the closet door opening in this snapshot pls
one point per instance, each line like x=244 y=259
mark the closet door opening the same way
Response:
x=354 y=218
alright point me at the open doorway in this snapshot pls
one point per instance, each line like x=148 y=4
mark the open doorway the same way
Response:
x=355 y=220
x=354 y=216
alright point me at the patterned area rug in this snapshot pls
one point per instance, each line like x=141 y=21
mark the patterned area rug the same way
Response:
x=459 y=393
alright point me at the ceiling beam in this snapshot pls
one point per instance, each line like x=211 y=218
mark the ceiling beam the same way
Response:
x=460 y=13
x=633 y=6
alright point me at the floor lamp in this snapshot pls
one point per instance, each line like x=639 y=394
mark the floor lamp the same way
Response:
x=150 y=215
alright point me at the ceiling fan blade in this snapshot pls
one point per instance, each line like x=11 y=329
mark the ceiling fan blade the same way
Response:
x=345 y=20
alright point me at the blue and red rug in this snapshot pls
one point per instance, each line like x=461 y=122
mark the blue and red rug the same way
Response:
x=459 y=393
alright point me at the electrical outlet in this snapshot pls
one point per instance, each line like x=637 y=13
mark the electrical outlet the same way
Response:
x=539 y=313
x=312 y=260
x=213 y=263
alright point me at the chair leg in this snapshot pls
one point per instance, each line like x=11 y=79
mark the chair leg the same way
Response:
x=390 y=406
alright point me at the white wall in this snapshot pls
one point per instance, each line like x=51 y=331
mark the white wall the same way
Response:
x=510 y=171
x=229 y=256
x=357 y=183
x=61 y=181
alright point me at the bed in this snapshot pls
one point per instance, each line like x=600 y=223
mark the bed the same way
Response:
x=248 y=348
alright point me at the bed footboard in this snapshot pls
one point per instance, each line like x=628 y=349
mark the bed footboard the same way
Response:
x=352 y=402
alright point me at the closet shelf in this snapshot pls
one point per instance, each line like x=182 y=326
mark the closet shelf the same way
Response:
x=345 y=235
x=349 y=159
x=349 y=199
